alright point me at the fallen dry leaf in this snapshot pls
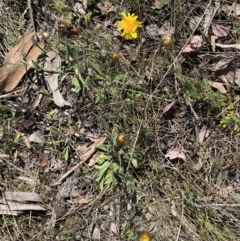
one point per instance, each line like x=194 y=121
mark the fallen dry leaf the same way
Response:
x=23 y=197
x=153 y=30
x=96 y=234
x=167 y=28
x=194 y=22
x=219 y=30
x=195 y=167
x=195 y=43
x=106 y=7
x=221 y=65
x=12 y=203
x=15 y=208
x=219 y=86
x=53 y=62
x=13 y=70
x=157 y=5
x=173 y=209
x=203 y=134
x=173 y=154
x=168 y=107
x=43 y=158
x=37 y=137
x=84 y=200
x=233 y=77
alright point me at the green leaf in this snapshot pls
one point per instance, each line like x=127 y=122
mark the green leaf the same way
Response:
x=51 y=113
x=103 y=147
x=17 y=137
x=76 y=85
x=55 y=131
x=96 y=67
x=135 y=162
x=103 y=170
x=109 y=178
x=101 y=184
x=119 y=78
x=66 y=154
x=102 y=158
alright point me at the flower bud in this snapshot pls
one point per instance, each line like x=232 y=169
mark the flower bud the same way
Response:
x=45 y=35
x=144 y=236
x=167 y=41
x=121 y=139
x=115 y=57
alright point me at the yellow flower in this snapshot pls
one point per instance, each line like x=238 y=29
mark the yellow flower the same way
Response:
x=128 y=26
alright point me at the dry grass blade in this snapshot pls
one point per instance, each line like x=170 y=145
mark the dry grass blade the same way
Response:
x=13 y=70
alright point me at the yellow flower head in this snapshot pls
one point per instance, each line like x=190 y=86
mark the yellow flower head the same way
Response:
x=128 y=26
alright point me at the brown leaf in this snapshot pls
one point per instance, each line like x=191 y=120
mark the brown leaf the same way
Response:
x=203 y=134
x=12 y=203
x=53 y=62
x=219 y=30
x=173 y=209
x=233 y=77
x=15 y=208
x=43 y=158
x=194 y=22
x=13 y=70
x=168 y=107
x=23 y=197
x=157 y=5
x=173 y=154
x=195 y=167
x=84 y=200
x=218 y=86
x=106 y=7
x=195 y=43
x=37 y=137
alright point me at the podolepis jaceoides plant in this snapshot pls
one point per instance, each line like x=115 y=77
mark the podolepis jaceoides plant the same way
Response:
x=115 y=163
